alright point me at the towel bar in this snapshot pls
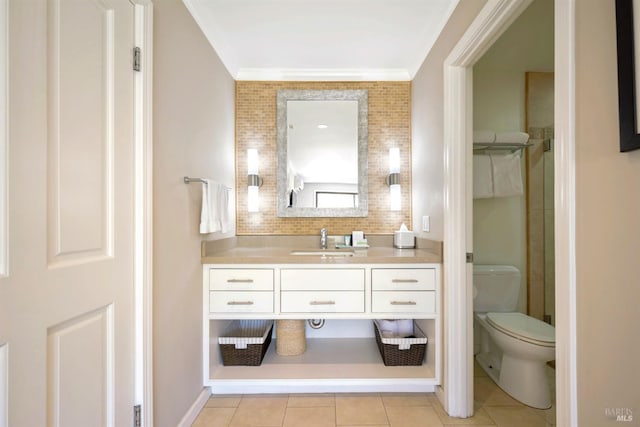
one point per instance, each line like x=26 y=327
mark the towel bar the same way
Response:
x=189 y=180
x=479 y=147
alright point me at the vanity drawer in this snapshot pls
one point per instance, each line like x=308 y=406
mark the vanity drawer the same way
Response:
x=301 y=279
x=241 y=279
x=241 y=302
x=322 y=302
x=407 y=279
x=403 y=302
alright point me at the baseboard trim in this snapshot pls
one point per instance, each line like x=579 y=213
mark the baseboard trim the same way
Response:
x=289 y=386
x=191 y=415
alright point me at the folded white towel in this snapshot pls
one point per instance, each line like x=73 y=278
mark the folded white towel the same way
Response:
x=388 y=328
x=404 y=327
x=214 y=215
x=395 y=328
x=223 y=207
x=507 y=175
x=482 y=177
x=484 y=136
x=512 y=137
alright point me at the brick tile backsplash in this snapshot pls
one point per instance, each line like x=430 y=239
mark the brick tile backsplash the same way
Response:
x=389 y=126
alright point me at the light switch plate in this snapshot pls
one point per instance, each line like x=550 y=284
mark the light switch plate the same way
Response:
x=425 y=223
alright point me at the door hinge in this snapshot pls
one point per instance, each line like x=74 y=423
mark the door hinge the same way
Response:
x=469 y=257
x=137 y=416
x=136 y=58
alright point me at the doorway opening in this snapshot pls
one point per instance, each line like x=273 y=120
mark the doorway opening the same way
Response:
x=513 y=99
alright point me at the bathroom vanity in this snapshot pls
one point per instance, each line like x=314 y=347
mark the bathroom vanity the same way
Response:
x=348 y=289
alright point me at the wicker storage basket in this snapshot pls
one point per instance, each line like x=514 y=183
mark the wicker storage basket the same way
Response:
x=291 y=338
x=402 y=351
x=245 y=342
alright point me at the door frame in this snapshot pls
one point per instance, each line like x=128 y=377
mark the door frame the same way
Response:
x=496 y=16
x=565 y=213
x=4 y=196
x=143 y=212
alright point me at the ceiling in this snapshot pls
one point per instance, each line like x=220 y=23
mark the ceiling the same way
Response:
x=321 y=39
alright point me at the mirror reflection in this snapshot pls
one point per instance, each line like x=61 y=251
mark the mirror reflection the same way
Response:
x=322 y=146
x=322 y=154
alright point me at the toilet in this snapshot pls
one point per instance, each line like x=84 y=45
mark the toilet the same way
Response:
x=512 y=348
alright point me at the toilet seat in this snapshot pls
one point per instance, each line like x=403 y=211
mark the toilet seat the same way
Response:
x=523 y=327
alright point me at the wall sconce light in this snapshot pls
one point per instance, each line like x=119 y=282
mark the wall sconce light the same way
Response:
x=254 y=182
x=393 y=180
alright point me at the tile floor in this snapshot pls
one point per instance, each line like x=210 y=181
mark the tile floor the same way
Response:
x=493 y=407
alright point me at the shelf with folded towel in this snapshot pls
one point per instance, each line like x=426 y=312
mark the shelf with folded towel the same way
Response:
x=488 y=140
x=481 y=147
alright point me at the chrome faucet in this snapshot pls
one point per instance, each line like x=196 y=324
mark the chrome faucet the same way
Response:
x=323 y=238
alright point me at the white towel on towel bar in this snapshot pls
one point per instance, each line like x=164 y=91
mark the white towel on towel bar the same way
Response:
x=507 y=175
x=482 y=177
x=214 y=215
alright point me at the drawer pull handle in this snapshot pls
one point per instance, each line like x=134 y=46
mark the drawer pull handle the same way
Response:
x=404 y=281
x=322 y=303
x=403 y=303
x=240 y=303
x=239 y=280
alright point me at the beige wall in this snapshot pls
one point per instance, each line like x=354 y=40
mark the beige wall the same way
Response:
x=427 y=123
x=607 y=229
x=499 y=225
x=499 y=76
x=389 y=126
x=193 y=135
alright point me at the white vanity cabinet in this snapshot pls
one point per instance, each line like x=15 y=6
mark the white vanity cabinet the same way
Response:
x=234 y=290
x=340 y=357
x=315 y=290
x=403 y=291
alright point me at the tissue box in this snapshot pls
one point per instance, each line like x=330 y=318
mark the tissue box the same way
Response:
x=404 y=239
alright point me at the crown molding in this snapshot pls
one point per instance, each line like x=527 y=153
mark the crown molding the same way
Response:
x=322 y=74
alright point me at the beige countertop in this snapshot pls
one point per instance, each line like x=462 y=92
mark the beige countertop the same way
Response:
x=271 y=250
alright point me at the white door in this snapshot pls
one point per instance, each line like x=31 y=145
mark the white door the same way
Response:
x=67 y=322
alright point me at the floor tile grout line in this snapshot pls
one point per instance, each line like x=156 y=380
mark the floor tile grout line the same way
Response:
x=541 y=414
x=386 y=414
x=493 y=421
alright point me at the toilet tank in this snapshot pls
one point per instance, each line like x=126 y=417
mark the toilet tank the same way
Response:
x=496 y=288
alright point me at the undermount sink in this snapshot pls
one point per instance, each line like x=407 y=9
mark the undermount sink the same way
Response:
x=319 y=252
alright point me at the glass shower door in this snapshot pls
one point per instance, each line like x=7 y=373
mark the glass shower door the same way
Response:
x=549 y=238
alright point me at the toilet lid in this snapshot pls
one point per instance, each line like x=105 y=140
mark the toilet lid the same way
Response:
x=524 y=327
